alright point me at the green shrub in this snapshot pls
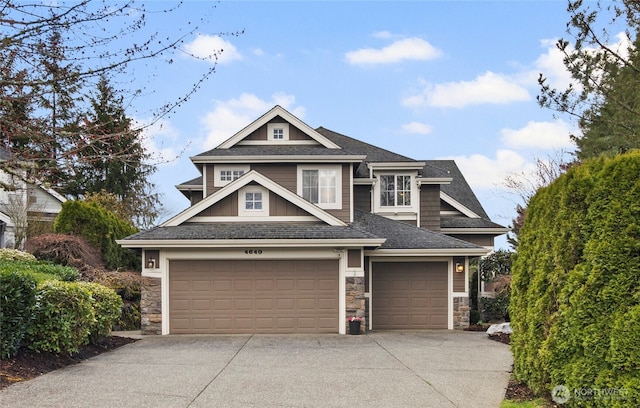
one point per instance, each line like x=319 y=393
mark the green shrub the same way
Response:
x=7 y=254
x=101 y=228
x=17 y=299
x=107 y=306
x=575 y=304
x=41 y=270
x=63 y=318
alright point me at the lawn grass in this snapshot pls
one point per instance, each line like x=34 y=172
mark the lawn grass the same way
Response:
x=536 y=403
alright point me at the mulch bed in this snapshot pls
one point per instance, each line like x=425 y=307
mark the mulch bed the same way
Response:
x=28 y=364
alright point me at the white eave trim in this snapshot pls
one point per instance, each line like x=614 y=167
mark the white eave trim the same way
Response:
x=243 y=181
x=234 y=243
x=492 y=231
x=434 y=180
x=480 y=251
x=286 y=115
x=412 y=165
x=279 y=159
x=363 y=181
x=455 y=204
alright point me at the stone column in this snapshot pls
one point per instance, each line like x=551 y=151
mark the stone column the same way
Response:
x=355 y=301
x=461 y=313
x=151 y=306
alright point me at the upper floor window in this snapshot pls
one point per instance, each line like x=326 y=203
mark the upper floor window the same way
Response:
x=230 y=175
x=395 y=190
x=253 y=201
x=225 y=174
x=321 y=185
x=277 y=131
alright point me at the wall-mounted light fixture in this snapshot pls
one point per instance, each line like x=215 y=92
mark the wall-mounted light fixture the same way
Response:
x=151 y=263
x=459 y=267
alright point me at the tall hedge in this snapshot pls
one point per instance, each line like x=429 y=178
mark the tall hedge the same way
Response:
x=17 y=300
x=101 y=228
x=575 y=305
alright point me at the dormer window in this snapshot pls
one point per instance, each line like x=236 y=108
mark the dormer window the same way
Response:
x=395 y=190
x=277 y=132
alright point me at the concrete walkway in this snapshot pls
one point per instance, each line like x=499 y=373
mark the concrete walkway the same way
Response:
x=385 y=369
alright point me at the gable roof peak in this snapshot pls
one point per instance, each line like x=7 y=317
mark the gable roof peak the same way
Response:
x=278 y=110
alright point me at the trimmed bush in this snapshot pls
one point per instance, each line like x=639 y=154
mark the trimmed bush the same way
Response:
x=7 y=254
x=17 y=299
x=101 y=228
x=107 y=306
x=63 y=317
x=576 y=283
x=41 y=270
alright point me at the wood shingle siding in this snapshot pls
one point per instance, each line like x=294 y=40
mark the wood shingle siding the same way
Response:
x=430 y=207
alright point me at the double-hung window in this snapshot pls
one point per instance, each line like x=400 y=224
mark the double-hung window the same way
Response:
x=321 y=186
x=395 y=190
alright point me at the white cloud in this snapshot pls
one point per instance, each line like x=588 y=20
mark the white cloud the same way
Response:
x=214 y=48
x=482 y=172
x=406 y=49
x=539 y=135
x=488 y=88
x=230 y=116
x=417 y=128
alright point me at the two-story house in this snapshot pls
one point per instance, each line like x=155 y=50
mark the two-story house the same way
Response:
x=293 y=229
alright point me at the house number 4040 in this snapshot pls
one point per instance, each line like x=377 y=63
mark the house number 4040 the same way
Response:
x=253 y=251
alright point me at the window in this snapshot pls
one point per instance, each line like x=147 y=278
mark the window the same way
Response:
x=225 y=174
x=395 y=191
x=253 y=201
x=230 y=175
x=321 y=186
x=277 y=132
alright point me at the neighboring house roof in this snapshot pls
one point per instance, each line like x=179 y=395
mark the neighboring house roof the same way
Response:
x=400 y=235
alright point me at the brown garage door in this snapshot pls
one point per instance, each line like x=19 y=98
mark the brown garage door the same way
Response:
x=253 y=296
x=409 y=295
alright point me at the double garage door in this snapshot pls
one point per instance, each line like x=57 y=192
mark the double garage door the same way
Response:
x=409 y=295
x=269 y=296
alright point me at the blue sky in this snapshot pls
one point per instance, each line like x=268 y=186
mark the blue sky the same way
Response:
x=426 y=79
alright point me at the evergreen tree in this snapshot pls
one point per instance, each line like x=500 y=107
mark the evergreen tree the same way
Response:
x=111 y=158
x=605 y=67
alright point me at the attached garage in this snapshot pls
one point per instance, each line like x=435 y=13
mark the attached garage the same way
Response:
x=251 y=296
x=409 y=295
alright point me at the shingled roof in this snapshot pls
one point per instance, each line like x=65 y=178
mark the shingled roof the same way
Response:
x=404 y=236
x=241 y=231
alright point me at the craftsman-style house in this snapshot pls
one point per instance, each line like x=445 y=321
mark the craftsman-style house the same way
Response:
x=293 y=229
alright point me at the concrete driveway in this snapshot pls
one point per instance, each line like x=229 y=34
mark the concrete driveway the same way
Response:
x=383 y=369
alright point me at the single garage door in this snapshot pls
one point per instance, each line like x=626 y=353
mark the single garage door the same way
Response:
x=409 y=295
x=225 y=296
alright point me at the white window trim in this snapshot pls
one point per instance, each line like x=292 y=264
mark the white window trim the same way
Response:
x=242 y=210
x=218 y=182
x=415 y=195
x=272 y=126
x=338 y=169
